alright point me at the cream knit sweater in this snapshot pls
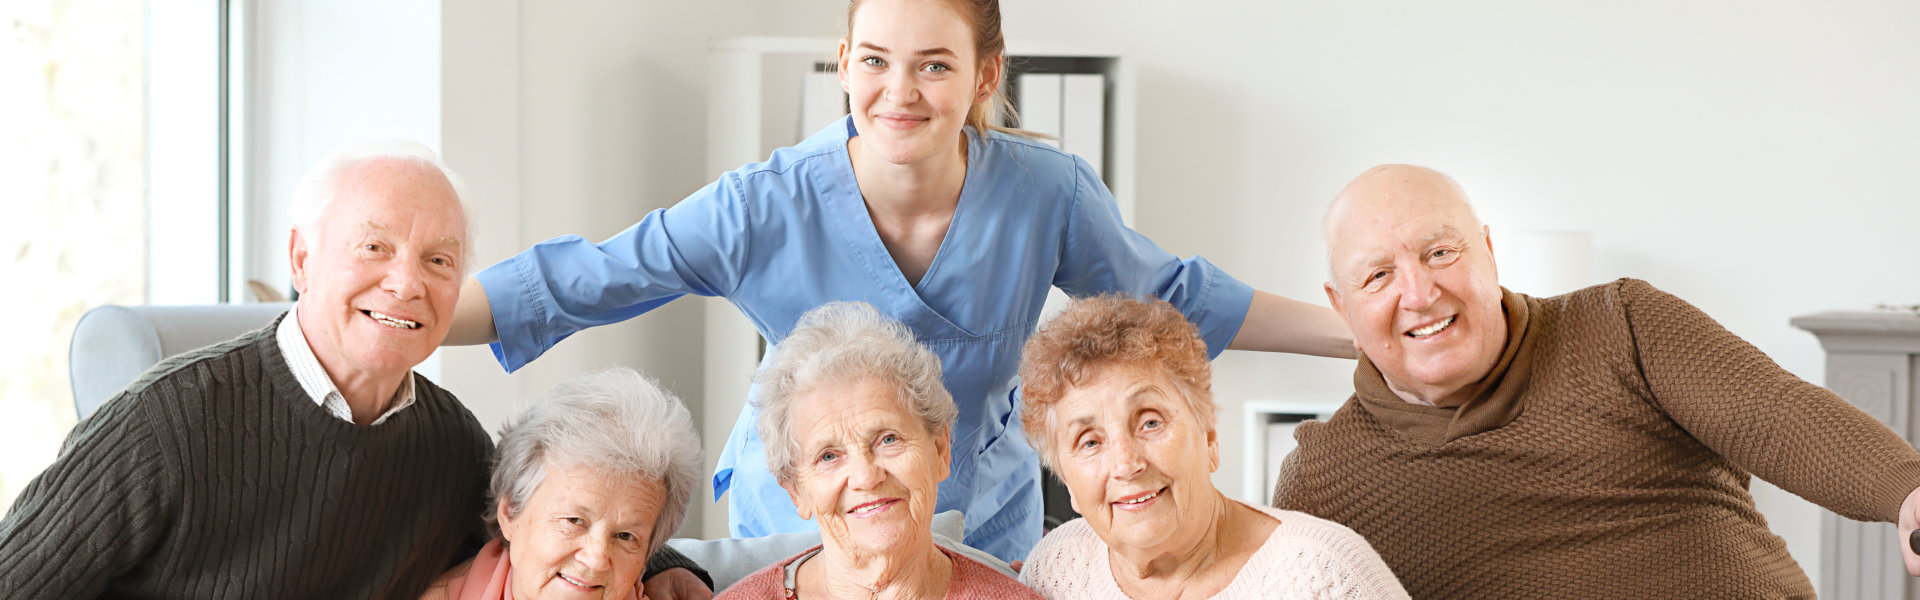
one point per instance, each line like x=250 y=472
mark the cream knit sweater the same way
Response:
x=1306 y=557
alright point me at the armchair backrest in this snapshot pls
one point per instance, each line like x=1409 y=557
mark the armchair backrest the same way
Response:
x=113 y=345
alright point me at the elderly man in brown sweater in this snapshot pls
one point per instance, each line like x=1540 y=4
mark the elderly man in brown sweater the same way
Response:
x=1592 y=445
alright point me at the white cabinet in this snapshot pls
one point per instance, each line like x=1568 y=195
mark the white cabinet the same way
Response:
x=1269 y=438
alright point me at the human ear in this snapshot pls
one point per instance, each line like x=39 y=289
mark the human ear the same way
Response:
x=297 y=253
x=841 y=53
x=500 y=516
x=1213 y=449
x=1333 y=297
x=990 y=71
x=1486 y=233
x=806 y=512
x=943 y=449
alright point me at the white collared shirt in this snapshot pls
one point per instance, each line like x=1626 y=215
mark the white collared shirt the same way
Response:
x=313 y=377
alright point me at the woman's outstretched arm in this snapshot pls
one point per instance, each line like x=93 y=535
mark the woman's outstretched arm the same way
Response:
x=1277 y=324
x=473 y=317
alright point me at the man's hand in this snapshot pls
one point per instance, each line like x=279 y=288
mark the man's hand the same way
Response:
x=681 y=584
x=1909 y=521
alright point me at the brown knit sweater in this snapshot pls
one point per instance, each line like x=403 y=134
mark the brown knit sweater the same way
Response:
x=1606 y=456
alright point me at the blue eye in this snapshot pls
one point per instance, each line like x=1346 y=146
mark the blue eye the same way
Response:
x=889 y=438
x=937 y=68
x=873 y=61
x=829 y=456
x=1151 y=424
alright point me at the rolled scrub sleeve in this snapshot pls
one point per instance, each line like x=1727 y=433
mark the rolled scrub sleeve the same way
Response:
x=1734 y=399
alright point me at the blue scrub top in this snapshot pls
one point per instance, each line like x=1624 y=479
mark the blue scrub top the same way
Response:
x=780 y=237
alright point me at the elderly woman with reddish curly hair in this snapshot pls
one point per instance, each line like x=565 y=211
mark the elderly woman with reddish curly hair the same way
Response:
x=1118 y=402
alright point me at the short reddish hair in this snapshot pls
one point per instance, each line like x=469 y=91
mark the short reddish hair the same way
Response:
x=1106 y=331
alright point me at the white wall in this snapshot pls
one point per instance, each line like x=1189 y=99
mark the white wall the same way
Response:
x=324 y=76
x=1751 y=157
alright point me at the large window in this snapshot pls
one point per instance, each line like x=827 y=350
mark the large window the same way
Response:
x=110 y=154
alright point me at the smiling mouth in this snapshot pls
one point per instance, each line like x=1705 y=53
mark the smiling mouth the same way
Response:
x=564 y=577
x=871 y=506
x=1142 y=499
x=900 y=120
x=1432 y=329
x=390 y=321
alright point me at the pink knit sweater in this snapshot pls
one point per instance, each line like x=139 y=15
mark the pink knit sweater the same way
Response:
x=971 y=581
x=1306 y=557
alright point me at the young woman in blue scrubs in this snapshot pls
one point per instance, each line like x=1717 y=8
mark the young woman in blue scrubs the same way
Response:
x=913 y=204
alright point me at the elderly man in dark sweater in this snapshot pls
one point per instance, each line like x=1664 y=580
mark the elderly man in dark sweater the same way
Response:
x=1592 y=445
x=301 y=460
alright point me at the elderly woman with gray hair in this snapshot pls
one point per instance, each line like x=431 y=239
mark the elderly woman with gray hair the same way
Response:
x=858 y=429
x=588 y=482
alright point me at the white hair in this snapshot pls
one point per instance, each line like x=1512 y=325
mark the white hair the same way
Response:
x=833 y=345
x=617 y=423
x=321 y=184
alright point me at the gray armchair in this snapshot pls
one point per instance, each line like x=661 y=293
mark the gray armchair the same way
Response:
x=113 y=345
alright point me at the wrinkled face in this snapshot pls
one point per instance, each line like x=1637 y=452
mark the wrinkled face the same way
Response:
x=911 y=73
x=1413 y=274
x=583 y=534
x=1136 y=459
x=867 y=472
x=379 y=274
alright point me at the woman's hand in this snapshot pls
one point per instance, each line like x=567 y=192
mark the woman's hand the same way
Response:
x=1909 y=521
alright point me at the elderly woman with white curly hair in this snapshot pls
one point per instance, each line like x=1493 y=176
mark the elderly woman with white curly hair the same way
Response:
x=588 y=482
x=858 y=427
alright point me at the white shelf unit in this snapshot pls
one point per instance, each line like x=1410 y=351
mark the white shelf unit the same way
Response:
x=1269 y=438
x=754 y=106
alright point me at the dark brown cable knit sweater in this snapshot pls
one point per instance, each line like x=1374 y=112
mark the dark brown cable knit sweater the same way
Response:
x=1607 y=455
x=216 y=476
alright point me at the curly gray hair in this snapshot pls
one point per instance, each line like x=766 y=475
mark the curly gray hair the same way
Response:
x=840 y=342
x=616 y=422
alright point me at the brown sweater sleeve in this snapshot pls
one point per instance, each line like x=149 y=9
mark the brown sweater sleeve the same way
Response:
x=1734 y=399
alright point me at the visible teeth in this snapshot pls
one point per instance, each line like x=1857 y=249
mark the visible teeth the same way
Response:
x=870 y=508
x=400 y=323
x=1432 y=329
x=574 y=581
x=1143 y=499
